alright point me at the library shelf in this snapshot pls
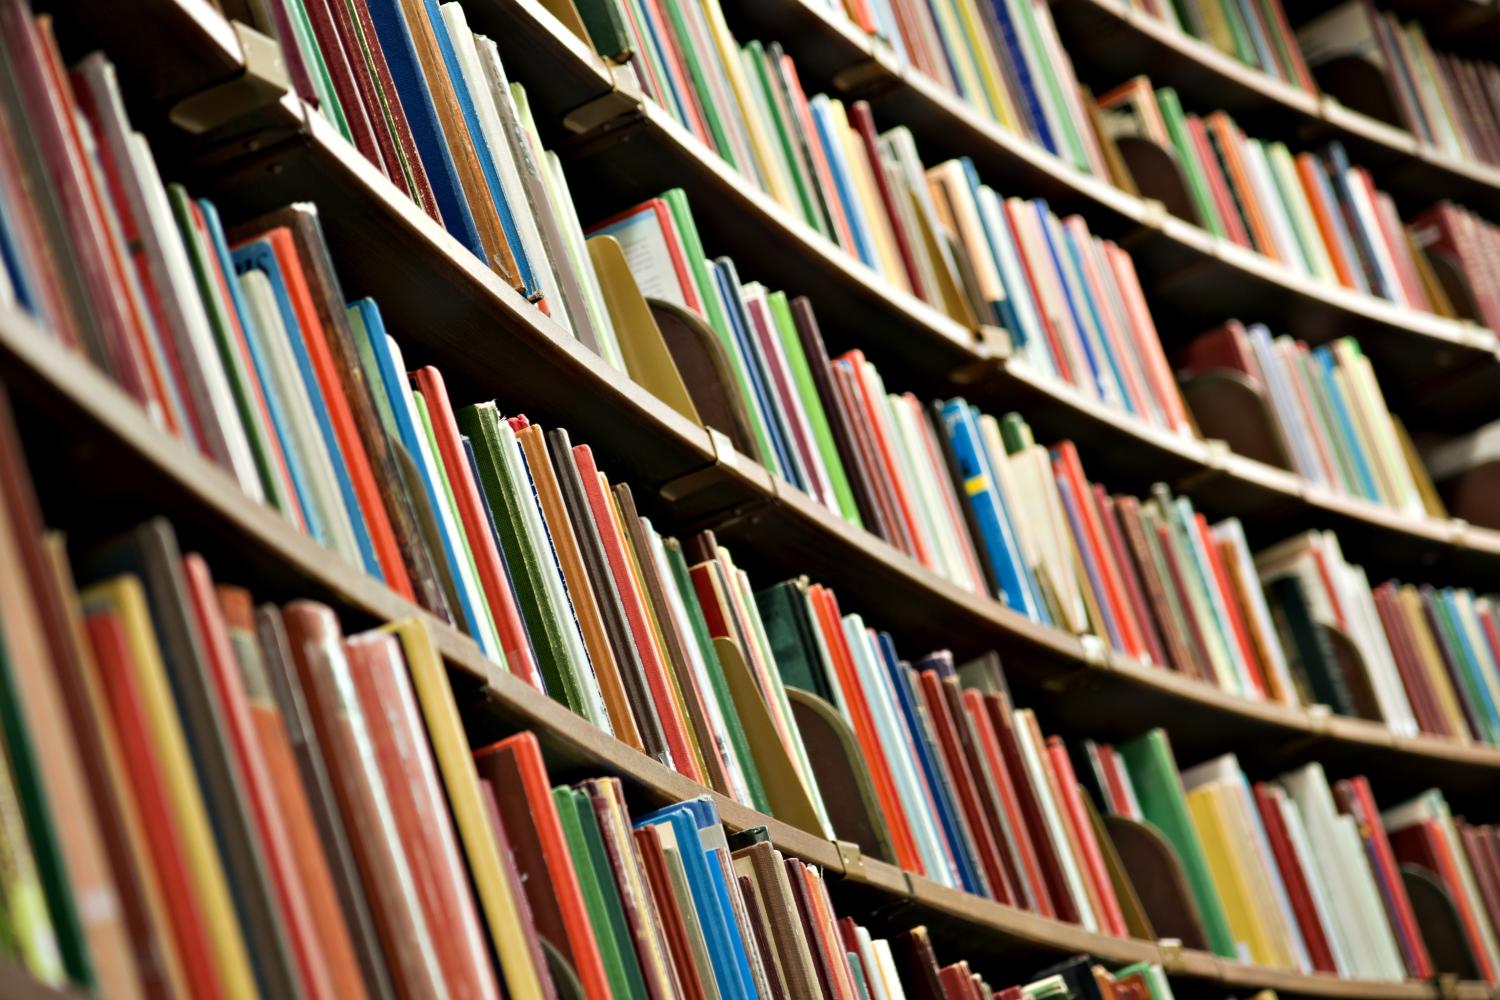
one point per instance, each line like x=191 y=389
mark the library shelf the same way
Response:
x=1115 y=42
x=59 y=397
x=1439 y=372
x=451 y=311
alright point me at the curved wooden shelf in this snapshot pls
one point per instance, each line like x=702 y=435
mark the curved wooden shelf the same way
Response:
x=76 y=410
x=448 y=309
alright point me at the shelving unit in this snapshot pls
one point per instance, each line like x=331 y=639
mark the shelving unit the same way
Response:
x=159 y=475
x=447 y=309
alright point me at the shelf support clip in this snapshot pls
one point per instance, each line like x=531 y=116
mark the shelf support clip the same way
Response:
x=263 y=82
x=622 y=99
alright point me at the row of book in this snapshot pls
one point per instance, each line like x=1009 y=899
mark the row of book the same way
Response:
x=1256 y=32
x=1297 y=874
x=331 y=833
x=1313 y=212
x=1376 y=64
x=1330 y=419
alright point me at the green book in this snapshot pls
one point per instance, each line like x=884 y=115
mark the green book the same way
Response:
x=715 y=670
x=790 y=629
x=526 y=556
x=702 y=86
x=605 y=23
x=812 y=403
x=754 y=55
x=595 y=879
x=1015 y=433
x=1158 y=787
x=1244 y=48
x=1170 y=107
x=312 y=54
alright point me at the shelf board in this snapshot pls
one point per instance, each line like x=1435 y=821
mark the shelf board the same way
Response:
x=80 y=426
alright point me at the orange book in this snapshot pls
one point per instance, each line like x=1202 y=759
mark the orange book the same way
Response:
x=115 y=665
x=825 y=605
x=1225 y=137
x=330 y=930
x=515 y=772
x=1307 y=172
x=291 y=900
x=340 y=414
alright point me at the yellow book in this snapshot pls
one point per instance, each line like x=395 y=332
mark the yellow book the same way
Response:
x=1221 y=849
x=772 y=167
x=126 y=598
x=988 y=63
x=450 y=748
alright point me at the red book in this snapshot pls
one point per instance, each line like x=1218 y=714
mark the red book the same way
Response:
x=864 y=123
x=964 y=788
x=825 y=606
x=1115 y=538
x=821 y=170
x=674 y=730
x=1148 y=341
x=471 y=510
x=1408 y=662
x=1232 y=606
x=349 y=88
x=1299 y=894
x=1422 y=843
x=1031 y=810
x=670 y=236
x=396 y=728
x=340 y=414
x=1356 y=799
x=1083 y=832
x=1067 y=467
x=654 y=864
x=1218 y=187
x=255 y=774
x=329 y=926
x=514 y=769
x=874 y=411
x=889 y=523
x=116 y=669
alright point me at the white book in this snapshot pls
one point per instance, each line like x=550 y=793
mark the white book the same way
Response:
x=1323 y=903
x=1033 y=757
x=1232 y=532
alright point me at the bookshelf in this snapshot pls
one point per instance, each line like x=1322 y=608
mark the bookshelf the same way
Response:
x=165 y=477
x=376 y=233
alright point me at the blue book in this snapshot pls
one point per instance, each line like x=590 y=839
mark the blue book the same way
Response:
x=1099 y=344
x=1340 y=227
x=261 y=383
x=15 y=267
x=1005 y=309
x=1010 y=34
x=710 y=898
x=864 y=246
x=995 y=527
x=421 y=115
x=1070 y=293
x=412 y=438
x=1337 y=162
x=728 y=282
x=481 y=145
x=916 y=735
x=1339 y=406
x=259 y=255
x=1486 y=712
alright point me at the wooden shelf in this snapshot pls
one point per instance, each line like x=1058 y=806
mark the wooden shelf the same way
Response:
x=80 y=427
x=449 y=310
x=18 y=984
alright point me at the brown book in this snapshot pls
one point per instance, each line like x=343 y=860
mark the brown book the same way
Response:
x=348 y=74
x=693 y=697
x=988 y=791
x=580 y=586
x=767 y=870
x=461 y=145
x=1126 y=569
x=606 y=596
x=807 y=917
x=675 y=931
x=840 y=419
x=761 y=932
x=917 y=965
